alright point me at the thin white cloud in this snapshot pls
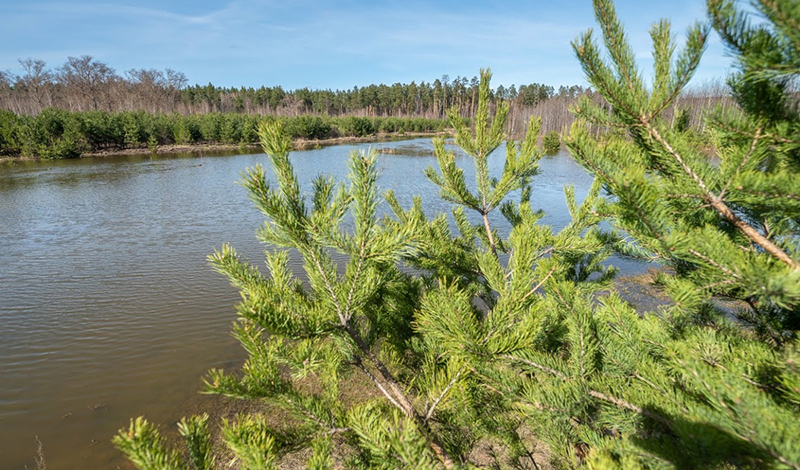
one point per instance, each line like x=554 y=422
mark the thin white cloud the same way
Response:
x=115 y=10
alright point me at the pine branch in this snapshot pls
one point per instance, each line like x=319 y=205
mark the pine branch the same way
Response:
x=535 y=365
x=756 y=137
x=355 y=280
x=715 y=264
x=629 y=406
x=719 y=205
x=378 y=384
x=593 y=393
x=329 y=286
x=438 y=399
x=540 y=284
x=398 y=397
x=488 y=227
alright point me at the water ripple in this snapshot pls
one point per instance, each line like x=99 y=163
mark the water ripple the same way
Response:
x=108 y=307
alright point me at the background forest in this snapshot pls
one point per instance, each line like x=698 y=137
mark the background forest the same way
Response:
x=86 y=106
x=85 y=84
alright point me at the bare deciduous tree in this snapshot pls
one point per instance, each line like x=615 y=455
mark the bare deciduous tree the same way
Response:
x=36 y=83
x=89 y=79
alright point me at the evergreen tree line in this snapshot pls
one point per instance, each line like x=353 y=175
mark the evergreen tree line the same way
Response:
x=57 y=133
x=83 y=84
x=511 y=348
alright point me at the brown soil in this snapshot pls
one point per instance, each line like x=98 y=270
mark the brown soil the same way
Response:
x=299 y=144
x=304 y=144
x=355 y=390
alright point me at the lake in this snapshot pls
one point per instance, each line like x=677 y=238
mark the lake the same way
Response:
x=108 y=306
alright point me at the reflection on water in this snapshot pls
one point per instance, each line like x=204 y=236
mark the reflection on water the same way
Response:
x=108 y=307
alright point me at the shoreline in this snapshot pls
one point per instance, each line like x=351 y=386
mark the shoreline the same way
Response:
x=299 y=144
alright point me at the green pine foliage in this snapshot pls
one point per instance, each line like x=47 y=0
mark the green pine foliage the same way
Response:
x=56 y=133
x=514 y=339
x=551 y=142
x=372 y=322
x=725 y=215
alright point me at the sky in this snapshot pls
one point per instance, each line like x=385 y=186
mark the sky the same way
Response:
x=335 y=44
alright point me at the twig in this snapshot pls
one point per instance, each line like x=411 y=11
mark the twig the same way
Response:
x=715 y=264
x=378 y=384
x=629 y=406
x=537 y=286
x=719 y=205
x=444 y=392
x=535 y=365
x=488 y=228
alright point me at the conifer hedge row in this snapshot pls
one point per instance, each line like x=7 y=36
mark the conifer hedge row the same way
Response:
x=57 y=133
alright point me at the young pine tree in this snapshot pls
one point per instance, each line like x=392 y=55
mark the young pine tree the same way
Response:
x=505 y=337
x=372 y=323
x=724 y=214
x=706 y=392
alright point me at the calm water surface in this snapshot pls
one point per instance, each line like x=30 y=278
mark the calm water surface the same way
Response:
x=108 y=307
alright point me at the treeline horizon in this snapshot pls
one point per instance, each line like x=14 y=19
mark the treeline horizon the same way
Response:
x=86 y=106
x=85 y=84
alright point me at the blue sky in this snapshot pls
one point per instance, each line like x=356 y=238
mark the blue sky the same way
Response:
x=333 y=44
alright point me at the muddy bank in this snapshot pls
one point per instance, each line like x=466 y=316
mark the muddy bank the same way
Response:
x=647 y=295
x=303 y=144
x=299 y=144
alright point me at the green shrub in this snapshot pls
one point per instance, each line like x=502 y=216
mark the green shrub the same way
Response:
x=182 y=132
x=354 y=126
x=9 y=133
x=551 y=142
x=133 y=125
x=309 y=127
x=248 y=131
x=61 y=134
x=209 y=127
x=54 y=134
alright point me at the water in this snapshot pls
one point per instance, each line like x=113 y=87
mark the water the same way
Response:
x=108 y=307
